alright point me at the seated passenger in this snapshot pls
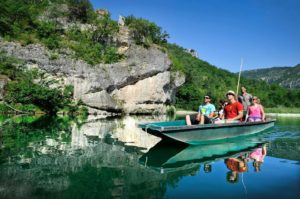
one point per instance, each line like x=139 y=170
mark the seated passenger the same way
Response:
x=204 y=115
x=233 y=111
x=255 y=111
x=222 y=104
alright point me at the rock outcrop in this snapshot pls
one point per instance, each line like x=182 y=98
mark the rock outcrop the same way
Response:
x=140 y=83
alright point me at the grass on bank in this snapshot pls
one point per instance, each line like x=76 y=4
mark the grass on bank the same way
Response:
x=283 y=110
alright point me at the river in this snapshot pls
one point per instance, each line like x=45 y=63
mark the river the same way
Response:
x=61 y=157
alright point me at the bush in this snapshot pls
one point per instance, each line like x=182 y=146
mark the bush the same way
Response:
x=81 y=10
x=25 y=91
x=9 y=66
x=105 y=30
x=18 y=16
x=93 y=52
x=145 y=32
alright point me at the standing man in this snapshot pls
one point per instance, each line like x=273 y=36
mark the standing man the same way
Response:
x=205 y=113
x=245 y=98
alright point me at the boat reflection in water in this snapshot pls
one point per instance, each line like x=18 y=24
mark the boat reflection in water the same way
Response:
x=168 y=156
x=61 y=158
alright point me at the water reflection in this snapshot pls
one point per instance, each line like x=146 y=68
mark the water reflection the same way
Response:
x=68 y=158
x=169 y=155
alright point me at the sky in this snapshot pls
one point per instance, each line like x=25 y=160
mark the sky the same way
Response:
x=264 y=33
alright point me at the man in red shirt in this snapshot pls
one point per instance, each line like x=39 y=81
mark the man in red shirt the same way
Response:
x=233 y=111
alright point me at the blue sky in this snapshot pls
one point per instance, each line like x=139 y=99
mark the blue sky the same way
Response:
x=264 y=33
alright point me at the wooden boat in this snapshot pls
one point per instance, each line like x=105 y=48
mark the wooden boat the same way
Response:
x=197 y=134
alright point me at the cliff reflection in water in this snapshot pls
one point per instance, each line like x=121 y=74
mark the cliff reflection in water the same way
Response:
x=64 y=158
x=57 y=157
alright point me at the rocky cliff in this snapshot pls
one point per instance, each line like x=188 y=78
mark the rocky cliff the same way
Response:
x=140 y=83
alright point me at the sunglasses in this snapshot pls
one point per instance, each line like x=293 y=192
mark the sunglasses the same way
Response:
x=206 y=98
x=254 y=99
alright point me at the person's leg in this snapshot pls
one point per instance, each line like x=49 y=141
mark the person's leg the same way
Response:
x=219 y=122
x=188 y=120
x=250 y=119
x=202 y=119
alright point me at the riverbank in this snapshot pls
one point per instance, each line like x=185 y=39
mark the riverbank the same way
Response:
x=283 y=114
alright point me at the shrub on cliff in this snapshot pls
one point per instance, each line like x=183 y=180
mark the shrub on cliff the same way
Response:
x=24 y=90
x=89 y=49
x=32 y=87
x=81 y=10
x=38 y=22
x=18 y=16
x=145 y=32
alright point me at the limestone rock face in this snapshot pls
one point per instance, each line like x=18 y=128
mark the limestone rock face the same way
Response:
x=101 y=100
x=149 y=94
x=140 y=83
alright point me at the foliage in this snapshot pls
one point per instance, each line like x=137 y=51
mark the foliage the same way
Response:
x=19 y=132
x=21 y=107
x=105 y=29
x=18 y=16
x=38 y=22
x=145 y=32
x=32 y=87
x=203 y=78
x=9 y=66
x=91 y=51
x=285 y=76
x=81 y=10
x=24 y=90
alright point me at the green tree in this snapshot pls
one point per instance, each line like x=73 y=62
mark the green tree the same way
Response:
x=81 y=10
x=145 y=32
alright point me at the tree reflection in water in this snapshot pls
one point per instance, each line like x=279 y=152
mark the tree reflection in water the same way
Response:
x=66 y=158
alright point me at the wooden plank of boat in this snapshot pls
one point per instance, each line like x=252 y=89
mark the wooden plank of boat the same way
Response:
x=196 y=134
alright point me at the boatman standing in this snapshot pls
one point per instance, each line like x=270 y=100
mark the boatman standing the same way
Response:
x=245 y=98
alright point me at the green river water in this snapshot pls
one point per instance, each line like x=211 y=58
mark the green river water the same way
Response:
x=60 y=157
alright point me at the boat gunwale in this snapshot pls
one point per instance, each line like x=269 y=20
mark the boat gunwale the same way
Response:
x=171 y=129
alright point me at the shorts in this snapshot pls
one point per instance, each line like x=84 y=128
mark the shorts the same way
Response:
x=195 y=121
x=254 y=119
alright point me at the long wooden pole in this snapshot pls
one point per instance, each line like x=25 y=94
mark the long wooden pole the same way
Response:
x=238 y=83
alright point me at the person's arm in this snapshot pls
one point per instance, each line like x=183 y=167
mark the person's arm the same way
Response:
x=212 y=113
x=250 y=98
x=263 y=115
x=239 y=116
x=240 y=99
x=222 y=117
